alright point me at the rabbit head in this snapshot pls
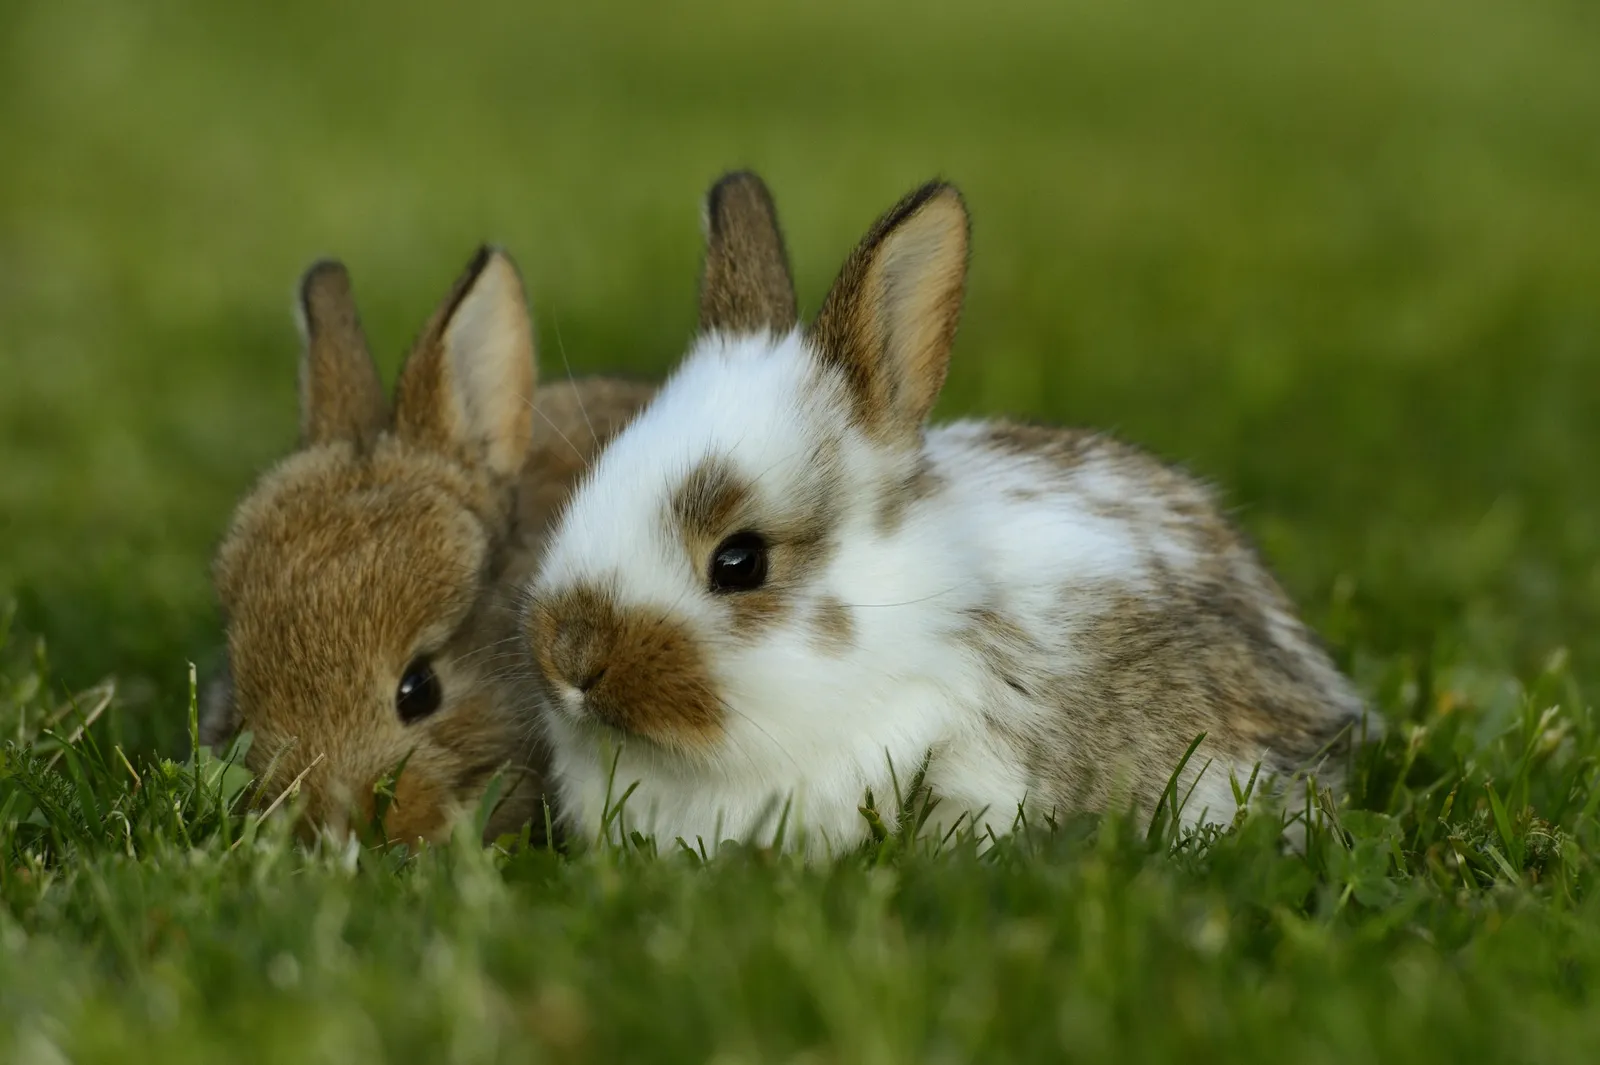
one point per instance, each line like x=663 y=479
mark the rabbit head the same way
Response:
x=708 y=598
x=358 y=578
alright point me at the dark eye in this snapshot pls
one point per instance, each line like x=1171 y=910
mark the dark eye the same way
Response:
x=419 y=693
x=740 y=563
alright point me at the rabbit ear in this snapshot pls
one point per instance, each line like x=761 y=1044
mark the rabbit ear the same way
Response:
x=745 y=286
x=467 y=387
x=890 y=319
x=341 y=397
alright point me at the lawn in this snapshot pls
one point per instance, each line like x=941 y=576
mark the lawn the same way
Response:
x=1345 y=263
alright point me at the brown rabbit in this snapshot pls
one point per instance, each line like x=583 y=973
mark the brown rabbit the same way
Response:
x=363 y=579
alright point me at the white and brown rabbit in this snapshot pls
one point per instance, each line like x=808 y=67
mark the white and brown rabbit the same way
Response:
x=362 y=579
x=777 y=582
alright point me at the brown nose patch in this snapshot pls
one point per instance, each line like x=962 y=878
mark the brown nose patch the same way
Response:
x=640 y=671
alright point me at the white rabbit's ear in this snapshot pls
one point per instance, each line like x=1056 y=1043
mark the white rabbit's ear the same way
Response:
x=341 y=397
x=467 y=386
x=890 y=319
x=746 y=286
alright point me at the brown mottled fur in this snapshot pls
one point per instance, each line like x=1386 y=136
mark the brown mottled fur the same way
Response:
x=389 y=537
x=1218 y=650
x=1156 y=675
x=1066 y=448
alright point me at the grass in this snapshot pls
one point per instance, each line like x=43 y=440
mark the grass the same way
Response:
x=1342 y=262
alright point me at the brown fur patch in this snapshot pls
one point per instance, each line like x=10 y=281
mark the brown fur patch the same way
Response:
x=889 y=321
x=642 y=673
x=711 y=502
x=833 y=626
x=714 y=502
x=745 y=286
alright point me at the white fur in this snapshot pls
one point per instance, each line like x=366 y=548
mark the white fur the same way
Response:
x=811 y=726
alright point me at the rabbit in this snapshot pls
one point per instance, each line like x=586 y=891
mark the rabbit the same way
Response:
x=361 y=580
x=778 y=588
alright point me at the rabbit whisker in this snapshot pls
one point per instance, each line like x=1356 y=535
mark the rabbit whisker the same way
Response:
x=533 y=406
x=562 y=347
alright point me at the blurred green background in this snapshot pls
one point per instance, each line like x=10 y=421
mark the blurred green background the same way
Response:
x=1342 y=259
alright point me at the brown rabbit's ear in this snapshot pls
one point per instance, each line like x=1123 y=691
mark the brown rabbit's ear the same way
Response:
x=219 y=715
x=890 y=319
x=341 y=396
x=745 y=286
x=467 y=387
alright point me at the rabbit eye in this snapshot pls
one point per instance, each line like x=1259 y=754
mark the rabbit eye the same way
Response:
x=739 y=564
x=419 y=693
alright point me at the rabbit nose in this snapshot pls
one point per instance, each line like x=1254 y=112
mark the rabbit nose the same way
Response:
x=577 y=654
x=575 y=635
